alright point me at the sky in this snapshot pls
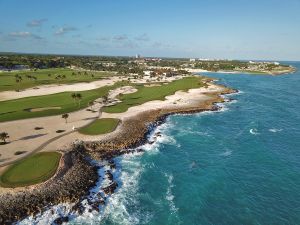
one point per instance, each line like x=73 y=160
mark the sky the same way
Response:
x=219 y=29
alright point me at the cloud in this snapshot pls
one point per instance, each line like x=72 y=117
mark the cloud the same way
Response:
x=64 y=30
x=143 y=37
x=36 y=23
x=25 y=34
x=122 y=37
x=103 y=39
x=161 y=45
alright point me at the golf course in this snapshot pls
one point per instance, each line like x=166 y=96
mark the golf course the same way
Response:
x=32 y=123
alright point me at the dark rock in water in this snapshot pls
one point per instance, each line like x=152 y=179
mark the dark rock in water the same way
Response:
x=95 y=207
x=61 y=220
x=112 y=164
x=111 y=188
x=109 y=175
x=158 y=134
x=140 y=150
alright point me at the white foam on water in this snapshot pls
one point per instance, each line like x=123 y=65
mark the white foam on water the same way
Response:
x=169 y=195
x=226 y=153
x=253 y=131
x=117 y=207
x=48 y=216
x=65 y=209
x=274 y=130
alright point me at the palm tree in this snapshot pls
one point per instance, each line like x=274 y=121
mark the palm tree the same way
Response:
x=73 y=95
x=65 y=116
x=4 y=136
x=79 y=97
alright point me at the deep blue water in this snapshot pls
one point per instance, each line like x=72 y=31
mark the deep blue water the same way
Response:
x=237 y=166
x=210 y=169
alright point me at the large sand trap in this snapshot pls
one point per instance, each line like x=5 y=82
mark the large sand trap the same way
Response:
x=55 y=88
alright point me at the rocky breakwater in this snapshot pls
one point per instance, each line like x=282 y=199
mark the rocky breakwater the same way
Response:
x=71 y=183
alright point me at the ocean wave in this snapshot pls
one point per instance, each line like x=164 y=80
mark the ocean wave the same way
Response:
x=226 y=153
x=169 y=195
x=191 y=131
x=274 y=130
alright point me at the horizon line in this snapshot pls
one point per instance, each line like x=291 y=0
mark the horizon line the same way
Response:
x=144 y=56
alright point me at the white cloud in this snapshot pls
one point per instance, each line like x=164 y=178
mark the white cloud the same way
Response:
x=122 y=37
x=143 y=37
x=64 y=30
x=24 y=34
x=36 y=23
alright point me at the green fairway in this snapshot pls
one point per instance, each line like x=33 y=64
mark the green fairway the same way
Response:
x=55 y=104
x=100 y=126
x=46 y=76
x=145 y=94
x=32 y=170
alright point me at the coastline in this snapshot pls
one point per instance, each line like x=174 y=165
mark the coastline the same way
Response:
x=272 y=73
x=132 y=133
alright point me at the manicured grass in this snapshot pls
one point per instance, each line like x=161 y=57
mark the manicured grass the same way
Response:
x=145 y=94
x=18 y=109
x=32 y=170
x=46 y=76
x=100 y=126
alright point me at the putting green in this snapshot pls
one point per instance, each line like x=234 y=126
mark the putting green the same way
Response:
x=100 y=126
x=31 y=170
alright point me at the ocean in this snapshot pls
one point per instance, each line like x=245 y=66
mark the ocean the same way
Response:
x=240 y=165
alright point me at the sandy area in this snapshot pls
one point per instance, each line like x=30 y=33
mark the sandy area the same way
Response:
x=122 y=90
x=55 y=88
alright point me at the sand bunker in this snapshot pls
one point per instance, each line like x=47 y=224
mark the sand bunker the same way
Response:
x=152 y=85
x=43 y=109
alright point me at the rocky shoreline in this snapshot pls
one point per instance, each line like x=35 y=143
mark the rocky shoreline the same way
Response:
x=77 y=174
x=70 y=184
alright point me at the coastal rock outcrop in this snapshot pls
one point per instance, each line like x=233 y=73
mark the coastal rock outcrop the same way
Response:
x=70 y=184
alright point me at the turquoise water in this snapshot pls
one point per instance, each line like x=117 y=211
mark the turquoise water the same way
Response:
x=240 y=165
x=237 y=166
